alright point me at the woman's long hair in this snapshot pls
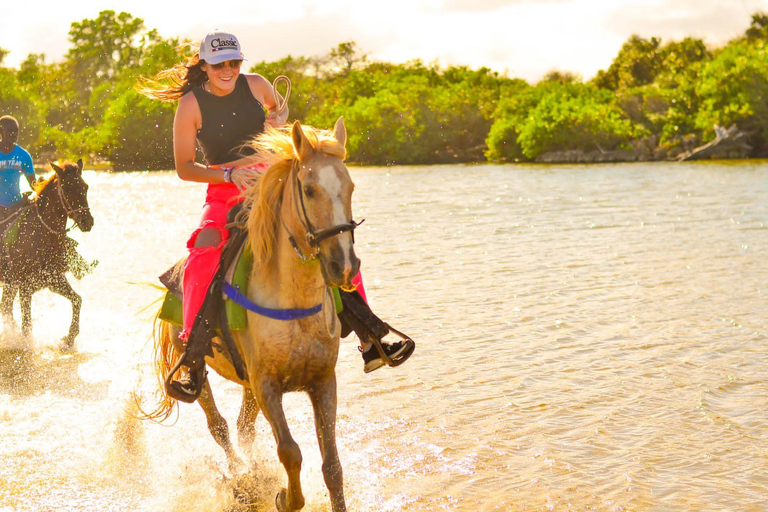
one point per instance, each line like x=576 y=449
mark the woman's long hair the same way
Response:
x=173 y=83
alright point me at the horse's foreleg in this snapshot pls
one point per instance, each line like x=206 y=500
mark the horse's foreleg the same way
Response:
x=63 y=288
x=270 y=398
x=6 y=306
x=324 y=404
x=218 y=427
x=246 y=428
x=25 y=301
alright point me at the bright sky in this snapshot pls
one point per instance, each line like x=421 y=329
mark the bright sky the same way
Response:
x=523 y=38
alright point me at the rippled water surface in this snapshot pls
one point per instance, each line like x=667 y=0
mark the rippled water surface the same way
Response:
x=589 y=337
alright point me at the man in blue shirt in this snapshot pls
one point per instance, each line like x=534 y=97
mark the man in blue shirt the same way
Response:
x=14 y=162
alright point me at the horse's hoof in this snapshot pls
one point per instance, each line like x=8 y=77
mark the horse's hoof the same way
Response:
x=242 y=497
x=67 y=345
x=236 y=465
x=281 y=501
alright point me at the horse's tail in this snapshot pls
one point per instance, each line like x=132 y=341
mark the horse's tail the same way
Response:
x=165 y=359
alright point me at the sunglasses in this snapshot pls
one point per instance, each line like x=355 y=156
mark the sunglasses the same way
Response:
x=234 y=64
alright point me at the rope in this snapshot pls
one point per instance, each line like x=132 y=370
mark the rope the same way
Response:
x=280 y=106
x=49 y=228
x=68 y=210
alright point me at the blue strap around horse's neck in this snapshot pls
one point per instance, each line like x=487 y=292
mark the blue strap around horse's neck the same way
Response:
x=233 y=292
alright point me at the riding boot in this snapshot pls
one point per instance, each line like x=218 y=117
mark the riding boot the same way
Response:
x=370 y=329
x=188 y=387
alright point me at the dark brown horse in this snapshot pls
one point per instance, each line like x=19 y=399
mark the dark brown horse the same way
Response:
x=39 y=255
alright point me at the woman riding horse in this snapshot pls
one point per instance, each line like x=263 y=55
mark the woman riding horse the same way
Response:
x=300 y=225
x=222 y=110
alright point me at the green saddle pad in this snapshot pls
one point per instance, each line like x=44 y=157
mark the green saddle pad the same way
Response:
x=171 y=310
x=12 y=232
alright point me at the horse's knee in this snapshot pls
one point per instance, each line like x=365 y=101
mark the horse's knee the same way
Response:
x=290 y=454
x=217 y=425
x=219 y=429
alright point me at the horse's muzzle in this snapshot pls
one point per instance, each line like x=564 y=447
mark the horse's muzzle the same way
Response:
x=340 y=267
x=84 y=221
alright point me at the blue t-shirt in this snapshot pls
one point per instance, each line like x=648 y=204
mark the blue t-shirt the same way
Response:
x=12 y=166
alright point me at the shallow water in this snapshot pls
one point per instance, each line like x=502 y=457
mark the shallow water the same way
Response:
x=589 y=337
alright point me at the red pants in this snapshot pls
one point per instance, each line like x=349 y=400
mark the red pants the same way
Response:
x=203 y=262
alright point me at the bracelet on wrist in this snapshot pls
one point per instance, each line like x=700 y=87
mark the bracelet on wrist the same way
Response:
x=228 y=175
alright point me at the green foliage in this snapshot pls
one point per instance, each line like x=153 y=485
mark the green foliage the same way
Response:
x=346 y=56
x=733 y=88
x=509 y=118
x=18 y=102
x=103 y=46
x=411 y=113
x=137 y=132
x=575 y=116
x=758 y=29
x=637 y=63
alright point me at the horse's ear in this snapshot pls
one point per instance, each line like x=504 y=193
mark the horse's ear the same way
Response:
x=300 y=141
x=80 y=164
x=55 y=168
x=340 y=132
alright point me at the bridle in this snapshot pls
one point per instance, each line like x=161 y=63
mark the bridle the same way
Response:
x=312 y=236
x=68 y=210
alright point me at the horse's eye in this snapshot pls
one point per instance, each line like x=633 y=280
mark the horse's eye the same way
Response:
x=309 y=191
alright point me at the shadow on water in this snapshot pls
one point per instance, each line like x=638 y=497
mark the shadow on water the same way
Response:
x=25 y=373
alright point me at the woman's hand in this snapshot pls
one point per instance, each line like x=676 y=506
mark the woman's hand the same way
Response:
x=274 y=121
x=244 y=178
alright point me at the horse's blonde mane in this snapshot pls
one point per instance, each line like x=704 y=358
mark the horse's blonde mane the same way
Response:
x=275 y=148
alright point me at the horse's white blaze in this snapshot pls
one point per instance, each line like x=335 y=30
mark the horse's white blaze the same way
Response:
x=331 y=183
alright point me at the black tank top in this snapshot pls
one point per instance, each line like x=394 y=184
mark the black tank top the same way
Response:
x=229 y=123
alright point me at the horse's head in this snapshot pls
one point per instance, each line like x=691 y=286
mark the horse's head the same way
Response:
x=73 y=192
x=323 y=190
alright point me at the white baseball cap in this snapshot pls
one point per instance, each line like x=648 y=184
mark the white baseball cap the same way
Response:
x=220 y=46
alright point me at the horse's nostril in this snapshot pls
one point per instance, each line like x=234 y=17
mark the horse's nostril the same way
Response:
x=335 y=269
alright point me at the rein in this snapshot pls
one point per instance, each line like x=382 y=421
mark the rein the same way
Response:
x=67 y=207
x=68 y=210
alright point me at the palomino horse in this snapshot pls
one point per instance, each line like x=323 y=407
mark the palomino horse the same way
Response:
x=299 y=219
x=39 y=257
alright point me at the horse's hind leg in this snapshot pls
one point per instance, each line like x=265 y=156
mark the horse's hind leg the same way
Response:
x=6 y=306
x=270 y=398
x=63 y=288
x=246 y=428
x=324 y=404
x=25 y=301
x=218 y=427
